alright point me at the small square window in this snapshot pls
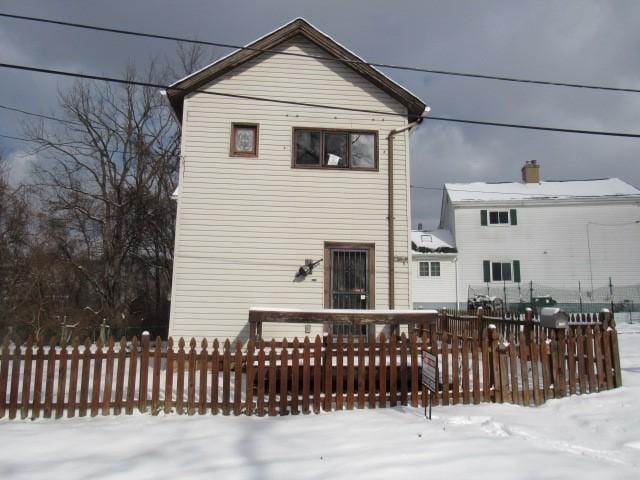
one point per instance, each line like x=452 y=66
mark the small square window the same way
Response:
x=244 y=140
x=435 y=269
x=308 y=145
x=501 y=272
x=335 y=149
x=424 y=269
x=363 y=150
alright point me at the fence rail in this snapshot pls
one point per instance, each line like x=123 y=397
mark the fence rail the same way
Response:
x=313 y=375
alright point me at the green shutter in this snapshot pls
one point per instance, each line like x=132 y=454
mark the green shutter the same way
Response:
x=516 y=271
x=483 y=217
x=486 y=267
x=514 y=216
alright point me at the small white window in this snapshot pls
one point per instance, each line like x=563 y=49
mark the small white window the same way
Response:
x=501 y=272
x=424 y=269
x=435 y=269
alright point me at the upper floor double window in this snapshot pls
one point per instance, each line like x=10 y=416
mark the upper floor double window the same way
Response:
x=425 y=271
x=498 y=217
x=325 y=148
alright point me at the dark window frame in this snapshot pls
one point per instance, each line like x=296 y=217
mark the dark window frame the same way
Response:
x=420 y=265
x=348 y=165
x=433 y=274
x=499 y=223
x=233 y=151
x=502 y=270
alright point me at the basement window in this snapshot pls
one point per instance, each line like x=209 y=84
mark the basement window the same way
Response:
x=337 y=149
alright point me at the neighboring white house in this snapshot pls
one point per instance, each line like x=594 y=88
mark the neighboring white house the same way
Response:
x=433 y=269
x=267 y=187
x=556 y=234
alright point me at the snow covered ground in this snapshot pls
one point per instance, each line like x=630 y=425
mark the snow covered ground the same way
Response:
x=592 y=436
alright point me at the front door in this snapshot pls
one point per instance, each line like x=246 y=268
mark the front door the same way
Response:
x=350 y=282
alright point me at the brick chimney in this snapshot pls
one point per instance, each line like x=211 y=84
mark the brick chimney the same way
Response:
x=531 y=172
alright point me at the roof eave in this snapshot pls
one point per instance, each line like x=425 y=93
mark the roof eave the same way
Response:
x=178 y=90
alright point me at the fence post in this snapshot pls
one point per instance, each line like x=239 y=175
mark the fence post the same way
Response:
x=528 y=323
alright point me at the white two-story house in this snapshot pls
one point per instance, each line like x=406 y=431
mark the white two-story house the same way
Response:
x=555 y=235
x=294 y=185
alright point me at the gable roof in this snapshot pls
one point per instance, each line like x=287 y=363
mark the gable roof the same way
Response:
x=299 y=26
x=563 y=189
x=434 y=241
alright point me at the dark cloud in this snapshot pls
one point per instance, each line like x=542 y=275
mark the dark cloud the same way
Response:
x=580 y=41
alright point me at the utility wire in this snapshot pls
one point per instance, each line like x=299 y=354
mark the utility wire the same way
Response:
x=307 y=104
x=422 y=187
x=320 y=57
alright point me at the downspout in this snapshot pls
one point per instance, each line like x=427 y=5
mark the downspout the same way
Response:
x=392 y=133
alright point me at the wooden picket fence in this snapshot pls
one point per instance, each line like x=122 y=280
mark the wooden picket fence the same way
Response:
x=324 y=374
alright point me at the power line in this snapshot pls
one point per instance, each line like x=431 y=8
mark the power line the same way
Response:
x=321 y=57
x=307 y=104
x=422 y=187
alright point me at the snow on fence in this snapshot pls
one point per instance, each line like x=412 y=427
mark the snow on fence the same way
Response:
x=324 y=374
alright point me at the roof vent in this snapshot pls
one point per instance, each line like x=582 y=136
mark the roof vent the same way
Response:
x=531 y=172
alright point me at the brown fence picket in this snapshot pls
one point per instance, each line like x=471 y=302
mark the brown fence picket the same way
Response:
x=215 y=376
x=350 y=373
x=597 y=343
x=120 y=376
x=15 y=379
x=562 y=362
x=261 y=380
x=202 y=387
x=180 y=377
x=486 y=367
x=513 y=369
x=382 y=373
x=606 y=351
x=571 y=361
x=534 y=353
x=555 y=368
x=444 y=367
x=524 y=370
x=455 y=369
x=191 y=380
x=155 y=385
x=393 y=371
x=51 y=367
x=465 y=371
x=295 y=376
x=237 y=376
x=404 y=373
x=475 y=366
x=284 y=377
x=495 y=364
x=226 y=378
x=306 y=375
x=26 y=379
x=97 y=378
x=615 y=353
x=582 y=371
x=590 y=360
x=272 y=378
x=144 y=372
x=37 y=382
x=108 y=379
x=317 y=374
x=131 y=380
x=339 y=374
x=415 y=383
x=545 y=362
x=4 y=375
x=361 y=373
x=62 y=379
x=250 y=377
x=328 y=374
x=168 y=381
x=371 y=371
x=504 y=376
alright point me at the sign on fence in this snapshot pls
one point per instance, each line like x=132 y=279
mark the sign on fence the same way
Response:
x=430 y=371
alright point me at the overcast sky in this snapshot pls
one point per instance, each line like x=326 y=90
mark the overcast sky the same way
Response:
x=593 y=42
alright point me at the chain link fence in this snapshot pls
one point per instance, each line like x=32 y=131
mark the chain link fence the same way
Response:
x=517 y=297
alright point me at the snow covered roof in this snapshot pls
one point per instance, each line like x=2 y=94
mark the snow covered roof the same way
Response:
x=436 y=241
x=299 y=26
x=563 y=189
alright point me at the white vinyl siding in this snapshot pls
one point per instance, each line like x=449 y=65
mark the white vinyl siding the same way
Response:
x=245 y=225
